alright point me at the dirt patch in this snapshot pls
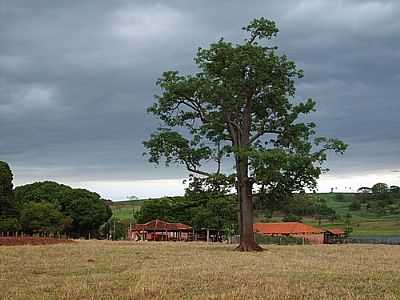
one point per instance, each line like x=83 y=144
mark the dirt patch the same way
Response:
x=28 y=240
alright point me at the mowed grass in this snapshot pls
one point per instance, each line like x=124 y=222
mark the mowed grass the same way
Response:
x=128 y=270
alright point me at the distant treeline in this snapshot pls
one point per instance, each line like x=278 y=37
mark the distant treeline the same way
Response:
x=49 y=208
x=380 y=198
x=200 y=211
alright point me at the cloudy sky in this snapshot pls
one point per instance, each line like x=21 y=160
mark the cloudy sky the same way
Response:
x=76 y=78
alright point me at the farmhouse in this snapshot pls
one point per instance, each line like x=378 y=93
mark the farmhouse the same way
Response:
x=158 y=230
x=309 y=233
x=334 y=236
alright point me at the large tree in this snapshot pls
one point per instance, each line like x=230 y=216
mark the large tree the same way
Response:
x=241 y=105
x=379 y=188
x=6 y=191
x=41 y=217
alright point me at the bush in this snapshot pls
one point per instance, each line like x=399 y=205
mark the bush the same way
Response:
x=6 y=191
x=292 y=218
x=41 y=217
x=8 y=224
x=85 y=210
x=267 y=215
x=355 y=205
x=279 y=240
x=340 y=198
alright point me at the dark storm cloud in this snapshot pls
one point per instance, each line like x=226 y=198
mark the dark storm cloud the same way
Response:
x=76 y=77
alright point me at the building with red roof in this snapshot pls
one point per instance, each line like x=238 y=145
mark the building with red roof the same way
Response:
x=306 y=232
x=158 y=230
x=334 y=236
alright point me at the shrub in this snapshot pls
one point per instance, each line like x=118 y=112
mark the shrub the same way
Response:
x=292 y=218
x=340 y=198
x=9 y=224
x=41 y=217
x=355 y=205
x=279 y=240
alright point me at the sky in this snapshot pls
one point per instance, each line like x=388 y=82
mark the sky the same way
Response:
x=76 y=78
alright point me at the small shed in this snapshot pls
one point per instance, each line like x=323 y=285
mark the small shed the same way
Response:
x=334 y=236
x=309 y=233
x=158 y=230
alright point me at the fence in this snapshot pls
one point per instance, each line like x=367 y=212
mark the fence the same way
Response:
x=56 y=235
x=386 y=240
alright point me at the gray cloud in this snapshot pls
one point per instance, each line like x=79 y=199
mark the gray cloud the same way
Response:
x=76 y=77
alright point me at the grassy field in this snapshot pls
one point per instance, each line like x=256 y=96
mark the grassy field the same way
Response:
x=363 y=222
x=123 y=210
x=125 y=270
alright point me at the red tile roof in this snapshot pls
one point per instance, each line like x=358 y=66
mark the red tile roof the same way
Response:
x=159 y=225
x=286 y=228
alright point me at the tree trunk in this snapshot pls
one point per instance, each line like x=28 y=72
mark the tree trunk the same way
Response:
x=245 y=194
x=244 y=186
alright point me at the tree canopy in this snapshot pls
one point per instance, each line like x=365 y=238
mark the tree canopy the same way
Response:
x=241 y=104
x=46 y=191
x=86 y=210
x=42 y=217
x=380 y=187
x=201 y=211
x=7 y=205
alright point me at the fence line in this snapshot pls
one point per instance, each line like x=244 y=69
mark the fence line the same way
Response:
x=391 y=240
x=16 y=234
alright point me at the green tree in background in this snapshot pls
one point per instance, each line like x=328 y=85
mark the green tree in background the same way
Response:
x=9 y=224
x=8 y=211
x=364 y=190
x=292 y=218
x=85 y=210
x=170 y=209
x=41 y=217
x=7 y=205
x=213 y=206
x=241 y=104
x=202 y=210
x=355 y=205
x=114 y=229
x=379 y=188
x=394 y=189
x=46 y=191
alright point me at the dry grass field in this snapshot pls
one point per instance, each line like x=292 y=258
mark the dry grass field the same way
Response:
x=125 y=270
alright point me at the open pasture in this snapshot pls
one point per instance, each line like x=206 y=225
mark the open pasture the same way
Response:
x=127 y=270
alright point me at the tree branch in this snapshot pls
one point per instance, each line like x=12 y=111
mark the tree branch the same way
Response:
x=194 y=170
x=193 y=104
x=261 y=133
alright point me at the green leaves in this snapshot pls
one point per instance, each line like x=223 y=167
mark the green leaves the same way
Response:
x=173 y=147
x=82 y=211
x=7 y=205
x=41 y=217
x=240 y=102
x=262 y=29
x=280 y=170
x=201 y=210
